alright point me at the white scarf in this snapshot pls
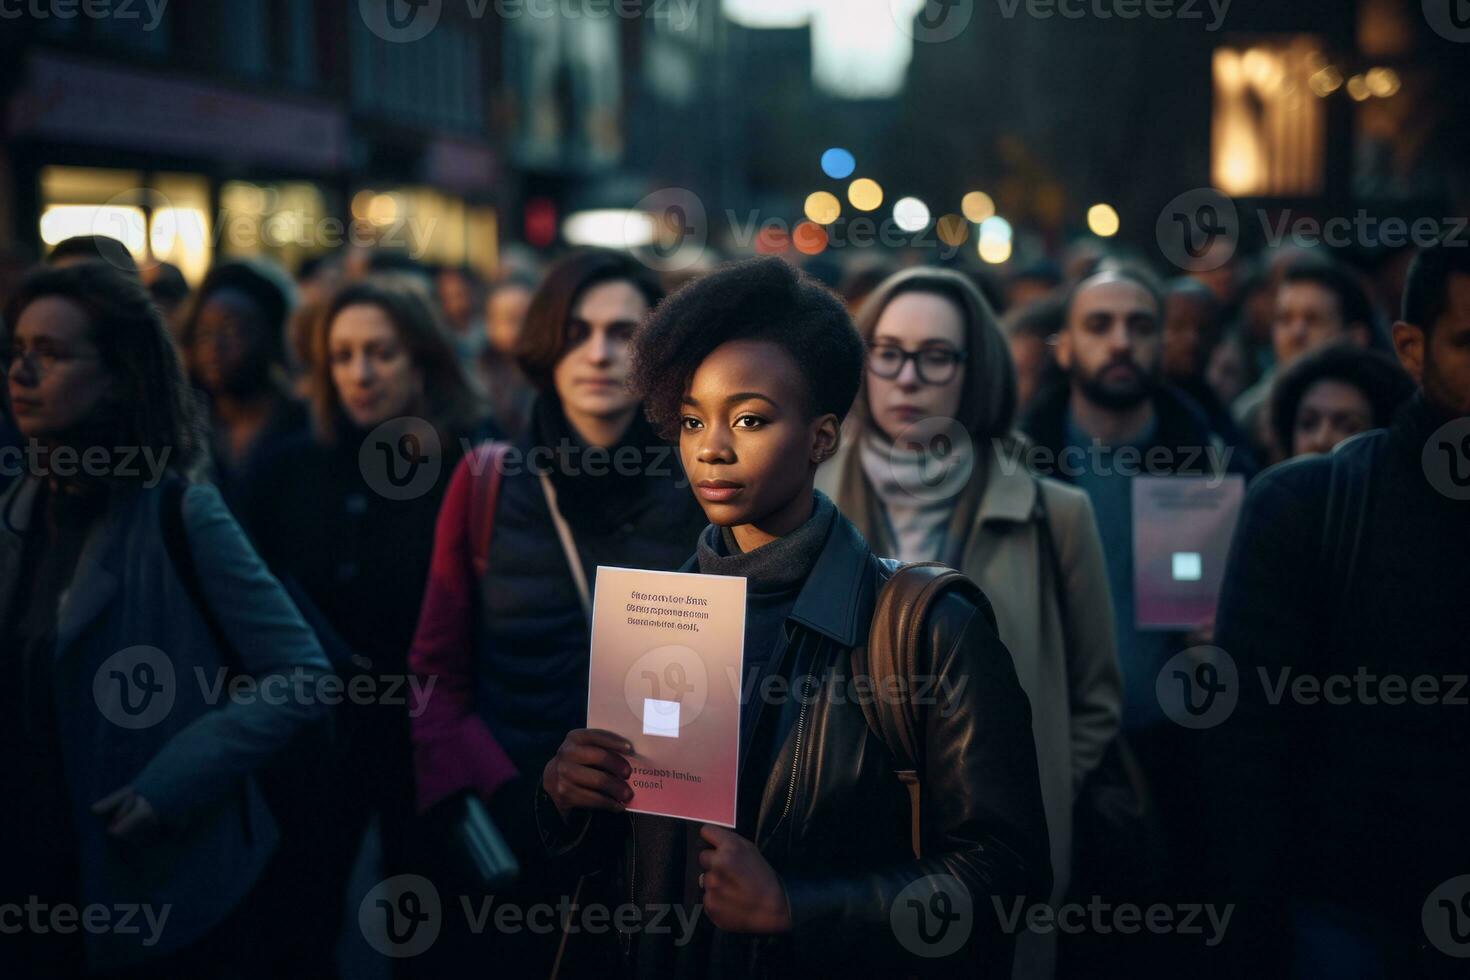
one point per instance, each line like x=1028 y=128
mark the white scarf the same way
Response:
x=918 y=490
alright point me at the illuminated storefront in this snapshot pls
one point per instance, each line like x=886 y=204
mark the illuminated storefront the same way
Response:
x=162 y=217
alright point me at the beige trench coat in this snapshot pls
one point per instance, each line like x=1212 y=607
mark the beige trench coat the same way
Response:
x=1076 y=694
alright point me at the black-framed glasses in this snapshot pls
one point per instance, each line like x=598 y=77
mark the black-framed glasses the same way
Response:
x=934 y=365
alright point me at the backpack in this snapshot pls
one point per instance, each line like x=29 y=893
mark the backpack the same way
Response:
x=892 y=651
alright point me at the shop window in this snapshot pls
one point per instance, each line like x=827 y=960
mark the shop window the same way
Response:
x=286 y=222
x=1269 y=123
x=432 y=227
x=160 y=217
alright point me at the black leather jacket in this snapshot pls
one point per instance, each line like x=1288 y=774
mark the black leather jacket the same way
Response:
x=826 y=810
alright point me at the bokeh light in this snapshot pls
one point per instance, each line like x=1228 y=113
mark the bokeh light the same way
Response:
x=1102 y=220
x=823 y=207
x=865 y=194
x=809 y=238
x=911 y=214
x=953 y=230
x=838 y=163
x=978 y=206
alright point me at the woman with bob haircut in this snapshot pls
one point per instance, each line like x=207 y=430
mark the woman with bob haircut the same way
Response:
x=752 y=369
x=354 y=550
x=936 y=472
x=504 y=630
x=127 y=782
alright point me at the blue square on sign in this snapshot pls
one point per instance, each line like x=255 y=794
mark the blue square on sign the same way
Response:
x=1188 y=566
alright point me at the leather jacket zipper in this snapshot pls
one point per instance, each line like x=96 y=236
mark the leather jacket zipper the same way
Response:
x=796 y=755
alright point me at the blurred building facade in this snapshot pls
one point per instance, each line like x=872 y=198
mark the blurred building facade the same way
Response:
x=248 y=127
x=275 y=127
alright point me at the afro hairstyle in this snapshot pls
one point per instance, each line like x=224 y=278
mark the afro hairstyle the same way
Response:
x=757 y=299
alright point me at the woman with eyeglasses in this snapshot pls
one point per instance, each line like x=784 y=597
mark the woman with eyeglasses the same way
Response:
x=935 y=472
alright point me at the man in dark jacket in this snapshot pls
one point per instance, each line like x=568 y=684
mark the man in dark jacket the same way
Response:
x=1112 y=421
x=1346 y=614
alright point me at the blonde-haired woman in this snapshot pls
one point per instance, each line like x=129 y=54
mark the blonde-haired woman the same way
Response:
x=934 y=472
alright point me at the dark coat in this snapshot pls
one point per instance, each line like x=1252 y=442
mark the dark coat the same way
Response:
x=822 y=803
x=1352 y=791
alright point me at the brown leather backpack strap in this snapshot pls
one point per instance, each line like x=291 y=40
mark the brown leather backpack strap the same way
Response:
x=891 y=660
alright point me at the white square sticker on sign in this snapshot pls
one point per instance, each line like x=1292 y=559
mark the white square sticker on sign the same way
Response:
x=661 y=718
x=1189 y=566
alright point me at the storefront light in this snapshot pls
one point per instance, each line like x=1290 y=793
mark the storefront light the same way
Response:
x=126 y=224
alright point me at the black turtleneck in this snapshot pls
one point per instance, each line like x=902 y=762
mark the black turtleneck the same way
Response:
x=667 y=851
x=775 y=573
x=596 y=487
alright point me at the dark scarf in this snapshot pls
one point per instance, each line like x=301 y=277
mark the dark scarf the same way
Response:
x=624 y=474
x=667 y=852
x=778 y=566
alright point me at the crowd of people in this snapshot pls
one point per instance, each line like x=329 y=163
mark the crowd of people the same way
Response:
x=386 y=488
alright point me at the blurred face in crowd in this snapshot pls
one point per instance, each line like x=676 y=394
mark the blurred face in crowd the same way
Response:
x=1023 y=291
x=56 y=379
x=1439 y=359
x=747 y=443
x=1186 y=335
x=456 y=299
x=230 y=354
x=373 y=371
x=1220 y=280
x=1308 y=315
x=932 y=327
x=1260 y=313
x=505 y=315
x=591 y=377
x=1330 y=411
x=1111 y=345
x=1226 y=373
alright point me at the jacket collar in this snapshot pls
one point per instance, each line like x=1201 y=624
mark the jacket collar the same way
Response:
x=1010 y=491
x=837 y=598
x=1179 y=421
x=95 y=581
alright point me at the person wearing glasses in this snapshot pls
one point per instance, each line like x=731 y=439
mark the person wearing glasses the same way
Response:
x=937 y=473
